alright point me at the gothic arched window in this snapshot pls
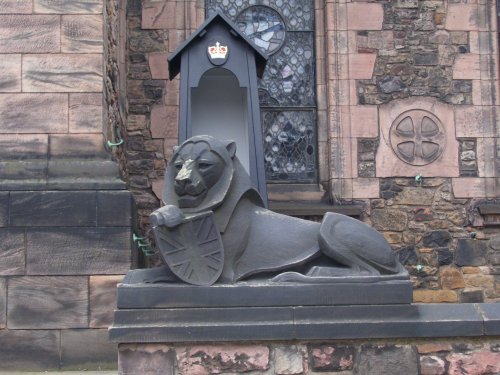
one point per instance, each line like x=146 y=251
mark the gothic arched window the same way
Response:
x=284 y=29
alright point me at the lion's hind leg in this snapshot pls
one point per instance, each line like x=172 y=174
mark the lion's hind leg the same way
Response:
x=356 y=245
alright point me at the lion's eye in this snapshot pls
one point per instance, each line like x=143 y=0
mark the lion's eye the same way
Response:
x=178 y=166
x=204 y=165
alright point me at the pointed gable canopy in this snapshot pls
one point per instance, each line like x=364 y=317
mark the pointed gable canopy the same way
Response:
x=174 y=60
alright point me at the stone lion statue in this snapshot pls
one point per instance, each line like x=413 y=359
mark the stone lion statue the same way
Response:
x=214 y=228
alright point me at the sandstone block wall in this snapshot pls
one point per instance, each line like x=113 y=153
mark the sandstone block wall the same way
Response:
x=65 y=216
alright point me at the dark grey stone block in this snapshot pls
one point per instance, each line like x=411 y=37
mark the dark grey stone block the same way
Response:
x=53 y=208
x=87 y=349
x=472 y=296
x=23 y=185
x=203 y=324
x=436 y=238
x=78 y=251
x=471 y=252
x=23 y=147
x=4 y=209
x=387 y=359
x=299 y=323
x=30 y=350
x=135 y=360
x=77 y=146
x=114 y=208
x=351 y=322
x=12 y=251
x=23 y=169
x=91 y=183
x=172 y=295
x=491 y=315
x=47 y=302
x=79 y=168
x=3 y=302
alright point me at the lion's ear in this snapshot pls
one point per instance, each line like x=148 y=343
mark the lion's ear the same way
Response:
x=175 y=148
x=231 y=148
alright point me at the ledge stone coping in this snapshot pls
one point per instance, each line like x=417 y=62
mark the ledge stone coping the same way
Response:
x=304 y=323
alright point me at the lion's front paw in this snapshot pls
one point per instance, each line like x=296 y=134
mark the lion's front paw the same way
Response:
x=169 y=215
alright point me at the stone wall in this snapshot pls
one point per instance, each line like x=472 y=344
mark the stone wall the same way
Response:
x=430 y=64
x=458 y=356
x=433 y=233
x=65 y=214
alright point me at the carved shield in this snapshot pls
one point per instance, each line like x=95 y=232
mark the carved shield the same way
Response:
x=193 y=250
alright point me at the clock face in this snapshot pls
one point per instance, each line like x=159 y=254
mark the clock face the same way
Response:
x=264 y=26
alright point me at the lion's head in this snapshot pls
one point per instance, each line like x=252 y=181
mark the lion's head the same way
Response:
x=200 y=173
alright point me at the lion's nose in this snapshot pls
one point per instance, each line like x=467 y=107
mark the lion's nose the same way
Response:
x=184 y=174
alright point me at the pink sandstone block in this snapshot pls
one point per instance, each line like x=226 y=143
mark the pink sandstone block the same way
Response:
x=102 y=300
x=16 y=6
x=338 y=66
x=472 y=187
x=214 y=359
x=364 y=188
x=353 y=95
x=158 y=65
x=29 y=33
x=69 y=7
x=168 y=147
x=172 y=92
x=158 y=14
x=488 y=43
x=488 y=90
x=474 y=121
x=157 y=186
x=85 y=113
x=364 y=121
x=10 y=79
x=477 y=98
x=486 y=16
x=3 y=302
x=180 y=10
x=164 y=121
x=432 y=365
x=482 y=362
x=339 y=92
x=62 y=73
x=373 y=19
x=389 y=165
x=339 y=42
x=462 y=17
x=175 y=38
x=33 y=113
x=344 y=157
x=486 y=151
x=339 y=118
x=361 y=65
x=467 y=66
x=336 y=16
x=82 y=33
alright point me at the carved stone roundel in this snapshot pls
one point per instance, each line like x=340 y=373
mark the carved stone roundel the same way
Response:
x=417 y=137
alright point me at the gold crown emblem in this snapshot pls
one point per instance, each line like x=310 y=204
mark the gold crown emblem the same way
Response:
x=217 y=51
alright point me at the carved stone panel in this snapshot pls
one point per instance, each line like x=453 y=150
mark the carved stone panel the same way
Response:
x=417 y=137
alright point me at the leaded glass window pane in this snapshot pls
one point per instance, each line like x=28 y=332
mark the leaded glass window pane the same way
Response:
x=284 y=29
x=289 y=145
